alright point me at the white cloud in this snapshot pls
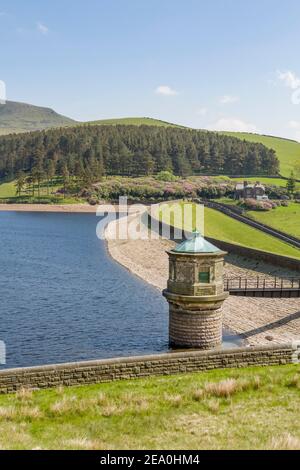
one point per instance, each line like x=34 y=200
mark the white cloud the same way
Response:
x=294 y=124
x=229 y=99
x=165 y=90
x=42 y=28
x=234 y=125
x=290 y=79
x=201 y=111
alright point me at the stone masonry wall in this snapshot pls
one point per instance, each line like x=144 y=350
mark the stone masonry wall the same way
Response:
x=145 y=366
x=195 y=328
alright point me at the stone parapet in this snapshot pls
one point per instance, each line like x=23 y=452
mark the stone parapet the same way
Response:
x=92 y=372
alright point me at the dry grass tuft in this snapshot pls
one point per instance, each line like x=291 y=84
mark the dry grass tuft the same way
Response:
x=198 y=394
x=225 y=388
x=30 y=412
x=174 y=400
x=8 y=412
x=111 y=410
x=13 y=412
x=101 y=399
x=83 y=443
x=285 y=442
x=24 y=394
x=136 y=402
x=65 y=405
x=213 y=406
x=294 y=382
x=60 y=390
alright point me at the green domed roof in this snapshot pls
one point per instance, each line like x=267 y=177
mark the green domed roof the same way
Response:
x=196 y=244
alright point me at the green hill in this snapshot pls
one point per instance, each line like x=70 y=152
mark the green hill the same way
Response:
x=22 y=117
x=288 y=151
x=131 y=121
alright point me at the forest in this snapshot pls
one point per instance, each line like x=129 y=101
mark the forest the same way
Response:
x=90 y=152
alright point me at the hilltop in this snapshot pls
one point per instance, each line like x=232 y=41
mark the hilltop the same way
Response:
x=131 y=121
x=21 y=117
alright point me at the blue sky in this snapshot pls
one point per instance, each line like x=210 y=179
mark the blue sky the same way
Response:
x=226 y=64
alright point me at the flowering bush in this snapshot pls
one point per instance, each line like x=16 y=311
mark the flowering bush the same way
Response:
x=151 y=189
x=254 y=205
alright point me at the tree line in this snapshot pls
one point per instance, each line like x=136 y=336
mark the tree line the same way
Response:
x=89 y=152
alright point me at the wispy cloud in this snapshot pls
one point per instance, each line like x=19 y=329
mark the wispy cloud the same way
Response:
x=201 y=111
x=165 y=90
x=290 y=79
x=42 y=28
x=295 y=125
x=234 y=125
x=229 y=99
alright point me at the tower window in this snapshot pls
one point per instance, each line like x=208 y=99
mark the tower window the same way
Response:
x=204 y=277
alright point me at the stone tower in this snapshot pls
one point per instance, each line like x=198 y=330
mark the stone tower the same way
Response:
x=195 y=294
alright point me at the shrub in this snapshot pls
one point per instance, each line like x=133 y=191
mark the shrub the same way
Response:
x=166 y=176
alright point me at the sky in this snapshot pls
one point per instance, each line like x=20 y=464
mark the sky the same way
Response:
x=218 y=64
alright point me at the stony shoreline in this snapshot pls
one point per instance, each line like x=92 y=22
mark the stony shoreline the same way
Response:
x=258 y=321
x=67 y=208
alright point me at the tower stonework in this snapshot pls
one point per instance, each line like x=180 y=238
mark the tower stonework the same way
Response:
x=195 y=294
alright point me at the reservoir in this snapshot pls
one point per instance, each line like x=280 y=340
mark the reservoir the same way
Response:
x=64 y=299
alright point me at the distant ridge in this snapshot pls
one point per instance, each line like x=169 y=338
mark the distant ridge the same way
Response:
x=22 y=117
x=131 y=121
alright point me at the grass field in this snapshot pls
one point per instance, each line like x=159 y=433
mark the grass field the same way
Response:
x=223 y=227
x=7 y=190
x=287 y=151
x=255 y=408
x=286 y=219
x=8 y=194
x=264 y=180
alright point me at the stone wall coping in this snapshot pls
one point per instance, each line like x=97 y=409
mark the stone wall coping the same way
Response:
x=150 y=358
x=217 y=254
x=195 y=298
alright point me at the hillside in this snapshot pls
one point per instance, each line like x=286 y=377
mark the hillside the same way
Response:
x=222 y=227
x=129 y=150
x=288 y=151
x=22 y=117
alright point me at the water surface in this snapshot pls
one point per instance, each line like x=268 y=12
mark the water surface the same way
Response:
x=64 y=299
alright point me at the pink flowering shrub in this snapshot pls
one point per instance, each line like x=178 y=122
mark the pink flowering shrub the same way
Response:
x=254 y=205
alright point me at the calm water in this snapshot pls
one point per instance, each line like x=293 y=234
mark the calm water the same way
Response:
x=64 y=299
